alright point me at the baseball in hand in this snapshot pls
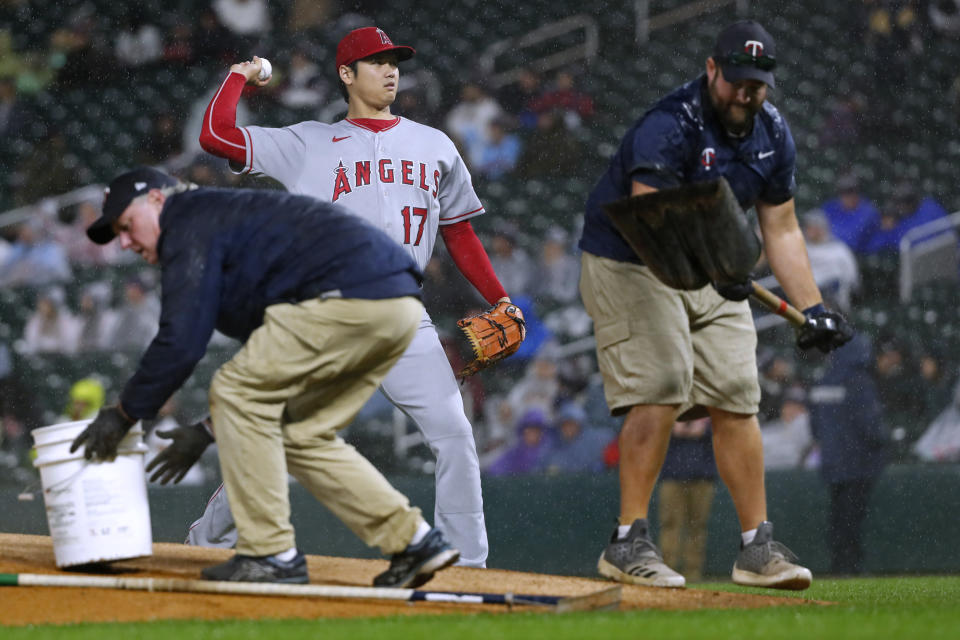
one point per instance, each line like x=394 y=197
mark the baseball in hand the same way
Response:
x=266 y=69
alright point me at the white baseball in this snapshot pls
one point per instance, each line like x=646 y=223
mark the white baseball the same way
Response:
x=266 y=69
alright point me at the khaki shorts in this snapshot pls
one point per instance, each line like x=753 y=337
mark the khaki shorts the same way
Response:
x=657 y=345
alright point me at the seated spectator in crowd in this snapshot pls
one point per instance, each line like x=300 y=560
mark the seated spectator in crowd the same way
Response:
x=845 y=121
x=165 y=140
x=563 y=96
x=777 y=376
x=897 y=384
x=787 y=440
x=51 y=328
x=688 y=481
x=940 y=441
x=86 y=398
x=13 y=115
x=516 y=98
x=936 y=384
x=853 y=218
x=305 y=86
x=244 y=18
x=557 y=273
x=550 y=151
x=532 y=449
x=500 y=152
x=211 y=41
x=19 y=411
x=848 y=424
x=96 y=319
x=468 y=122
x=538 y=388
x=906 y=210
x=178 y=45
x=832 y=261
x=511 y=263
x=137 y=318
x=50 y=169
x=579 y=446
x=944 y=17
x=138 y=42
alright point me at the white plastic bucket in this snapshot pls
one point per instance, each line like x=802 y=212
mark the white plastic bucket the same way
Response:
x=96 y=511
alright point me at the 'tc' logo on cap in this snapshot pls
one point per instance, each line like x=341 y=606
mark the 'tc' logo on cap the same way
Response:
x=753 y=47
x=383 y=37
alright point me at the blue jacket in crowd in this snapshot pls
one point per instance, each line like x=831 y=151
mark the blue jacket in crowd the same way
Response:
x=846 y=416
x=227 y=254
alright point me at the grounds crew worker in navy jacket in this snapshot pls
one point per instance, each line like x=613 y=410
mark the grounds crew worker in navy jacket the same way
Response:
x=324 y=304
x=661 y=350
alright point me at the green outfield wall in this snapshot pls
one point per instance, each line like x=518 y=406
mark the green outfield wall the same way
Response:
x=559 y=524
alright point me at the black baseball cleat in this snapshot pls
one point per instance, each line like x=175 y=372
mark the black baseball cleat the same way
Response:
x=416 y=564
x=241 y=568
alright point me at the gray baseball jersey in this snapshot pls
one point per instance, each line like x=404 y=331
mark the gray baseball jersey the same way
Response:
x=406 y=180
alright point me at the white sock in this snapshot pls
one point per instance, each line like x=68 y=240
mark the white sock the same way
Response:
x=622 y=531
x=422 y=530
x=748 y=536
x=287 y=556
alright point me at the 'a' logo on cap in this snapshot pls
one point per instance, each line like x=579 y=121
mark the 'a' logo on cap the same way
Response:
x=383 y=37
x=139 y=185
x=753 y=47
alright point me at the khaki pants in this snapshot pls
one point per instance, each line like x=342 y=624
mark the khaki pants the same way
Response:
x=684 y=511
x=277 y=406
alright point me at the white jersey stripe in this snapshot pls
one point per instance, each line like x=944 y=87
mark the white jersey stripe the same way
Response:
x=462 y=215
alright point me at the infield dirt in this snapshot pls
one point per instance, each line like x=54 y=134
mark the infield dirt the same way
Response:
x=54 y=605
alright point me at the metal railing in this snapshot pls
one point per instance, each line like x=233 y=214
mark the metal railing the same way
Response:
x=586 y=50
x=645 y=23
x=930 y=239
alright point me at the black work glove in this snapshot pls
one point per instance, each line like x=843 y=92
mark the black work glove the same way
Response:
x=826 y=330
x=735 y=291
x=103 y=435
x=188 y=445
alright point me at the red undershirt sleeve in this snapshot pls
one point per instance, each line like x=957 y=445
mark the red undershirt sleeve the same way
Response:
x=471 y=259
x=220 y=135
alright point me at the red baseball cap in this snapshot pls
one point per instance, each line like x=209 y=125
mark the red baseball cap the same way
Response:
x=361 y=43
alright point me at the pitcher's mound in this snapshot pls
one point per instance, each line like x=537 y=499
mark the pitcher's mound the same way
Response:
x=53 y=605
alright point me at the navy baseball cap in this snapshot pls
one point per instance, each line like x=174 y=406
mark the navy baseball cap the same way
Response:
x=745 y=51
x=119 y=194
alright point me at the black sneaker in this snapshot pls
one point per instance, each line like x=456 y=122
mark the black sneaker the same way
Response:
x=416 y=564
x=241 y=568
x=768 y=563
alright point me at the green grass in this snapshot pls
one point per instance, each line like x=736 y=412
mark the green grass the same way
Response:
x=914 y=607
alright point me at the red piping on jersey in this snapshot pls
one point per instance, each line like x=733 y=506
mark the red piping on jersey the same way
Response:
x=220 y=135
x=472 y=260
x=373 y=124
x=468 y=213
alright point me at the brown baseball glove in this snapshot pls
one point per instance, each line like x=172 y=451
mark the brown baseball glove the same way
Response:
x=494 y=334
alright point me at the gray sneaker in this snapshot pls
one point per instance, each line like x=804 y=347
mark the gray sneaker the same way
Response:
x=767 y=563
x=636 y=560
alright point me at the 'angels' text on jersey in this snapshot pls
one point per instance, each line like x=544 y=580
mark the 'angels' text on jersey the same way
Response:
x=404 y=172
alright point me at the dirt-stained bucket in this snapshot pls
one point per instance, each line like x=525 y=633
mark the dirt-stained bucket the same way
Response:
x=96 y=511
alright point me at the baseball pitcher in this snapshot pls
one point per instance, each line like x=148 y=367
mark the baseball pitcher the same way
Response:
x=408 y=180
